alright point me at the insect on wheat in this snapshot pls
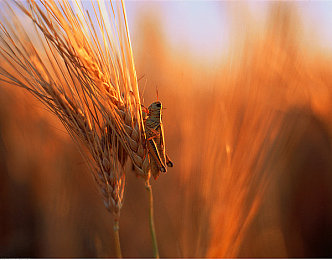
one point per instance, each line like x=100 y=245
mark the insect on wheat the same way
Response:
x=155 y=139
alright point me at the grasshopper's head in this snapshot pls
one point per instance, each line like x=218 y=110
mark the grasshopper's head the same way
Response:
x=155 y=107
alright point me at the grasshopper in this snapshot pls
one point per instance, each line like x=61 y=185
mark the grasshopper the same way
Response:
x=155 y=139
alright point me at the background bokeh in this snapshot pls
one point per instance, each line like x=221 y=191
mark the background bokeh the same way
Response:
x=247 y=91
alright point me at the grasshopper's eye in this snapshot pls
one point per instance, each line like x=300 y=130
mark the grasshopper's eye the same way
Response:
x=158 y=105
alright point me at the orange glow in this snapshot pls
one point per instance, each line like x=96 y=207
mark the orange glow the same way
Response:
x=248 y=130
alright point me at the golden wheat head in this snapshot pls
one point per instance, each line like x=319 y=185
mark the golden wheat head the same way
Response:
x=79 y=63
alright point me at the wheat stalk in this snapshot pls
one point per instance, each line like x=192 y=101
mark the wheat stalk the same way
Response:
x=89 y=84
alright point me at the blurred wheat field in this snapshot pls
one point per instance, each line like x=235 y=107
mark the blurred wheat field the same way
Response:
x=250 y=138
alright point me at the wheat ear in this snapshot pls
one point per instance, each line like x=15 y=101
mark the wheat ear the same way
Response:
x=89 y=84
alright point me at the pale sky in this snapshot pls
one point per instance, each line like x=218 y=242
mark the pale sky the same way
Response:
x=203 y=26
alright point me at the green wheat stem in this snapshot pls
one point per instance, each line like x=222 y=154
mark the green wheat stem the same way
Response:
x=117 y=239
x=151 y=221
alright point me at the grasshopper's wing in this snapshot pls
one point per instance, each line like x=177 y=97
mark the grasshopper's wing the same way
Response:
x=160 y=141
x=155 y=170
x=155 y=155
x=166 y=160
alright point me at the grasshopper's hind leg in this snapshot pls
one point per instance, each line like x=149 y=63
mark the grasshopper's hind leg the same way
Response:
x=168 y=161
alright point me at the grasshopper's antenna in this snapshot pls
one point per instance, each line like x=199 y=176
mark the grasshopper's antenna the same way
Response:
x=157 y=92
x=143 y=90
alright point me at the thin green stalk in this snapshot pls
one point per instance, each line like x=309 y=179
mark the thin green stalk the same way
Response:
x=151 y=221
x=117 y=239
